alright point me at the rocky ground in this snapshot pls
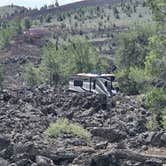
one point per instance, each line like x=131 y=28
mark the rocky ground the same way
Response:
x=118 y=131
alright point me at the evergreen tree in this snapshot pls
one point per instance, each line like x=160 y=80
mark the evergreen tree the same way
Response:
x=57 y=3
x=27 y=23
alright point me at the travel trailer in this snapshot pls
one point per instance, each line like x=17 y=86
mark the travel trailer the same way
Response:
x=99 y=84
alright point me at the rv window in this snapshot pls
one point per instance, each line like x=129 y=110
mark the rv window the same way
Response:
x=78 y=83
x=94 y=84
x=106 y=84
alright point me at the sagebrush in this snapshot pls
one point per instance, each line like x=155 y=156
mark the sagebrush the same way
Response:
x=63 y=126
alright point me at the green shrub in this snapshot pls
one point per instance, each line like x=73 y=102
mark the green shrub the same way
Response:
x=10 y=29
x=130 y=59
x=75 y=57
x=156 y=99
x=63 y=126
x=126 y=85
x=1 y=76
x=5 y=37
x=164 y=118
x=152 y=124
x=155 y=63
x=27 y=23
x=33 y=76
x=133 y=47
x=48 y=18
x=78 y=56
x=132 y=81
x=140 y=78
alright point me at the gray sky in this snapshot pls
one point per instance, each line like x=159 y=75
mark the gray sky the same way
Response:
x=34 y=3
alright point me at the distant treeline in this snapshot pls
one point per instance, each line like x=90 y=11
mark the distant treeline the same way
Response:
x=45 y=10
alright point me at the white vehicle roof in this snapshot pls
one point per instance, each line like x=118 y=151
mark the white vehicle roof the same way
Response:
x=87 y=75
x=94 y=75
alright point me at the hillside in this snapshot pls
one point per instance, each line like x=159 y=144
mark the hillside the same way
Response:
x=75 y=6
x=98 y=24
x=64 y=8
x=43 y=123
x=11 y=10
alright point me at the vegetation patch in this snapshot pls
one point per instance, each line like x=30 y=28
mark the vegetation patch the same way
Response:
x=152 y=124
x=156 y=99
x=1 y=76
x=78 y=56
x=63 y=126
x=141 y=62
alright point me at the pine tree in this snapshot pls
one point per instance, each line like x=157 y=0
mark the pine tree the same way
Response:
x=57 y=3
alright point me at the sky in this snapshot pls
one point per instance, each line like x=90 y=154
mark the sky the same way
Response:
x=34 y=3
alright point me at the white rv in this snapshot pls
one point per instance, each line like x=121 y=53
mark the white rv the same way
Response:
x=99 y=84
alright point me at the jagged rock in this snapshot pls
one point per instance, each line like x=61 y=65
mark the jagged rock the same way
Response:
x=121 y=145
x=34 y=164
x=83 y=159
x=24 y=162
x=86 y=105
x=144 y=147
x=26 y=114
x=88 y=112
x=44 y=161
x=12 y=164
x=156 y=139
x=3 y=162
x=116 y=157
x=110 y=134
x=6 y=96
x=154 y=162
x=163 y=139
x=59 y=156
x=48 y=109
x=4 y=142
x=101 y=145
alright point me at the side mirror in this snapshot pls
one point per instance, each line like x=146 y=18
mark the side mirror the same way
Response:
x=117 y=89
x=112 y=78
